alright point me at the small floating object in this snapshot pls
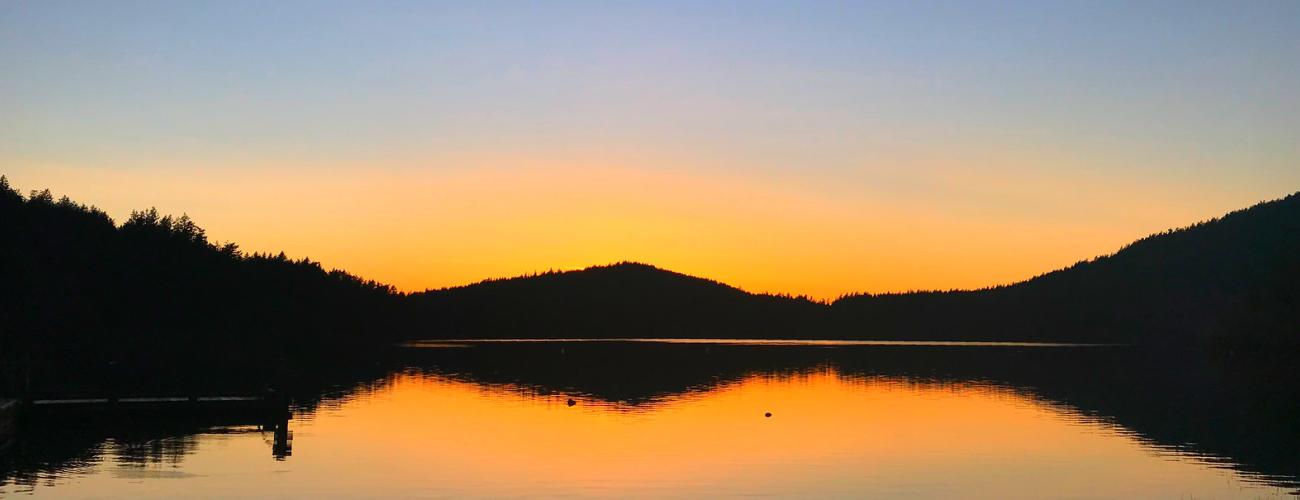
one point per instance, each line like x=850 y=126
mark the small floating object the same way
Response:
x=768 y=414
x=572 y=402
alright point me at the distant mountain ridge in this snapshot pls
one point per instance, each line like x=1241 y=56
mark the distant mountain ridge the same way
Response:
x=1234 y=279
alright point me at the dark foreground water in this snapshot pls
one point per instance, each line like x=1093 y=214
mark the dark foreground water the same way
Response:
x=655 y=419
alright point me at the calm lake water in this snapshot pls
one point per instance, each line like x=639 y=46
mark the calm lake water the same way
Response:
x=648 y=419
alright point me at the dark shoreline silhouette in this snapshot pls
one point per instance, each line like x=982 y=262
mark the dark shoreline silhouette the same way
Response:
x=121 y=303
x=1229 y=284
x=151 y=307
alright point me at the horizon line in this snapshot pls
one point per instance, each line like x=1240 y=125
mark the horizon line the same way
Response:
x=615 y=263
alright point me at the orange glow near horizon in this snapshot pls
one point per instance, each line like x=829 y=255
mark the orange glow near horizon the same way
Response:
x=814 y=150
x=497 y=217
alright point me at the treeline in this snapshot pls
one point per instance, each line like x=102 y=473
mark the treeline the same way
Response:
x=616 y=301
x=78 y=290
x=85 y=298
x=1232 y=282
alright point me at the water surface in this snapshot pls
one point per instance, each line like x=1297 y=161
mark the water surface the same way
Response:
x=687 y=420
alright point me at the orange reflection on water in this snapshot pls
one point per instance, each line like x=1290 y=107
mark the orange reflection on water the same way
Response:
x=828 y=436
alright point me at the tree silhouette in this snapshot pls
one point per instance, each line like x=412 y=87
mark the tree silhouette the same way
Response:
x=154 y=296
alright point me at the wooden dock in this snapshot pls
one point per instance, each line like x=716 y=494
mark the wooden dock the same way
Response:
x=35 y=409
x=22 y=419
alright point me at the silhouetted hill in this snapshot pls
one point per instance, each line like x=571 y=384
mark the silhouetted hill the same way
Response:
x=81 y=290
x=621 y=300
x=1233 y=280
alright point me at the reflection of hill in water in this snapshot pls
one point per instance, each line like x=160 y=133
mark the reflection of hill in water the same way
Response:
x=1222 y=411
x=1242 y=412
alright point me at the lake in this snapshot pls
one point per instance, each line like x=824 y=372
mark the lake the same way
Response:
x=651 y=418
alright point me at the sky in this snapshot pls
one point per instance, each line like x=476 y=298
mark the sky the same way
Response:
x=814 y=148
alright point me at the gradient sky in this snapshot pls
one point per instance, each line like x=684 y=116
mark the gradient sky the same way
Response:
x=800 y=147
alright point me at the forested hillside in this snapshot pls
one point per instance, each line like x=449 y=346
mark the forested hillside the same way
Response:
x=152 y=292
x=1233 y=281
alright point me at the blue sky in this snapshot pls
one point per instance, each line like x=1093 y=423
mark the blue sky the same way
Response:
x=993 y=111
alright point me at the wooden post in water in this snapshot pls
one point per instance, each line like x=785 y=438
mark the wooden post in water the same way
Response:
x=282 y=446
x=277 y=406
